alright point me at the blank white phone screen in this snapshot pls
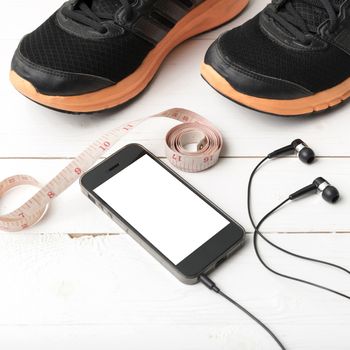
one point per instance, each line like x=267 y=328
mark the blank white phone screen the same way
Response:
x=162 y=209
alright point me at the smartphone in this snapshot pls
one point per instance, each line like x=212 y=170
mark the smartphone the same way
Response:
x=178 y=225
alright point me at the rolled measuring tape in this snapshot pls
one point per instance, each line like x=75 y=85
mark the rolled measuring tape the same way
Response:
x=193 y=130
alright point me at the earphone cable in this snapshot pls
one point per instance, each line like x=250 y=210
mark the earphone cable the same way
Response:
x=258 y=232
x=279 y=273
x=212 y=286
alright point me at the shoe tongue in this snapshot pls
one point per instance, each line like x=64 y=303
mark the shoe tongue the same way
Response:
x=104 y=6
x=313 y=12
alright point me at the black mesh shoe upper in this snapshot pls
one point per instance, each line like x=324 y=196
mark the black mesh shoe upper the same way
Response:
x=88 y=45
x=263 y=56
x=113 y=58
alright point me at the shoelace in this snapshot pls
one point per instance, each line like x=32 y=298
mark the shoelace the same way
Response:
x=82 y=13
x=292 y=20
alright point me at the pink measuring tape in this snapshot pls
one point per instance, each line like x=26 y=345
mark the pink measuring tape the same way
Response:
x=194 y=129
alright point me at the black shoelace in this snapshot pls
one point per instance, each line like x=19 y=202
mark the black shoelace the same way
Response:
x=83 y=13
x=293 y=22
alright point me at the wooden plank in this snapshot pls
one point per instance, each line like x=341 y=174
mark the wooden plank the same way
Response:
x=27 y=15
x=72 y=293
x=233 y=335
x=225 y=184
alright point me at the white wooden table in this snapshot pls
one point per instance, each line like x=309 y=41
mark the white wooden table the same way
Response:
x=65 y=284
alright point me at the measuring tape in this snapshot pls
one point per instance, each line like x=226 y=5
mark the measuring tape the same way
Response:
x=194 y=129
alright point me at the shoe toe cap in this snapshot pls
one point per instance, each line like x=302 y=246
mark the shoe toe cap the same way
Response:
x=55 y=82
x=248 y=81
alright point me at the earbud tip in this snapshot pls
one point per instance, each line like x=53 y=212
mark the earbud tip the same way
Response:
x=330 y=194
x=307 y=155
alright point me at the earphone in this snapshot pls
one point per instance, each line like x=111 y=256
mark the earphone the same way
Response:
x=307 y=155
x=328 y=192
x=303 y=151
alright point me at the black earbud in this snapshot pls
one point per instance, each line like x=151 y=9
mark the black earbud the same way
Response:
x=329 y=193
x=304 y=152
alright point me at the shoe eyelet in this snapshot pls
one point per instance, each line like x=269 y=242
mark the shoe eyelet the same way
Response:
x=104 y=31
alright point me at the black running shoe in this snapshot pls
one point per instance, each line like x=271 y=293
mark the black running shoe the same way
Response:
x=292 y=59
x=92 y=55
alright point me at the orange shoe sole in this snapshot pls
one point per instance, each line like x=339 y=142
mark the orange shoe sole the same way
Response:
x=209 y=15
x=301 y=106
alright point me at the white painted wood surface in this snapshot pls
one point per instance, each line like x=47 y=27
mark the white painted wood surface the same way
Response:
x=106 y=292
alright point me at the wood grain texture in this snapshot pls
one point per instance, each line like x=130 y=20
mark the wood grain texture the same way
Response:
x=66 y=288
x=105 y=291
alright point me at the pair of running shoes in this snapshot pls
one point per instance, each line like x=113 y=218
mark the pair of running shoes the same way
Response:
x=293 y=58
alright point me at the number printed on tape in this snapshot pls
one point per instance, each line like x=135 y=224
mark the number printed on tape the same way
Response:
x=193 y=124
